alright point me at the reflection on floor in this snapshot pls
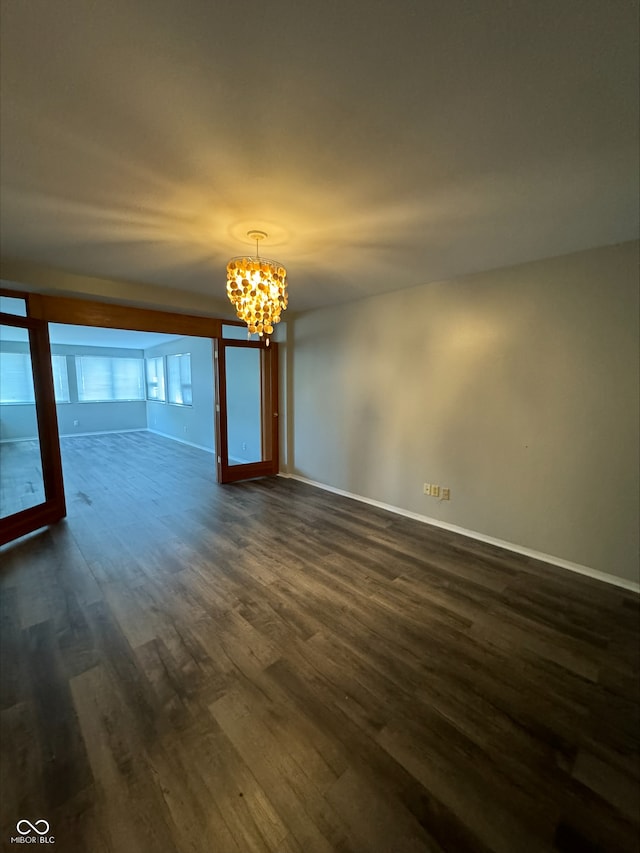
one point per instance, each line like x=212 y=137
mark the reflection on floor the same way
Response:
x=21 y=483
x=269 y=667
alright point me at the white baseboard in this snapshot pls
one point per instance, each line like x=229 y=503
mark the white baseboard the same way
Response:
x=180 y=440
x=76 y=434
x=114 y=432
x=100 y=432
x=481 y=537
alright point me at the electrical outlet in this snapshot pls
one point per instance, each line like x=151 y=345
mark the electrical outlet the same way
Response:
x=426 y=489
x=446 y=494
x=435 y=491
x=76 y=423
x=244 y=445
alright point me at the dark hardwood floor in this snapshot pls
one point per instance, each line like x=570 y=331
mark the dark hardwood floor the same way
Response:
x=269 y=667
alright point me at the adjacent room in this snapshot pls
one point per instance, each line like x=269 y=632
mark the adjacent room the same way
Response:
x=320 y=426
x=108 y=382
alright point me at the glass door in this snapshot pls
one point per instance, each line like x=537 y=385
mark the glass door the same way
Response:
x=246 y=409
x=31 y=489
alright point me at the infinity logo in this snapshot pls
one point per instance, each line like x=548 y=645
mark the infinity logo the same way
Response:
x=32 y=827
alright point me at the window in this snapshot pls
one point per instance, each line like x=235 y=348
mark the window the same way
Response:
x=60 y=378
x=155 y=379
x=102 y=378
x=13 y=305
x=233 y=332
x=16 y=378
x=179 y=379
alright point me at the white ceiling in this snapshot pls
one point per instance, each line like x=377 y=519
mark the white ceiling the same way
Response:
x=90 y=336
x=381 y=144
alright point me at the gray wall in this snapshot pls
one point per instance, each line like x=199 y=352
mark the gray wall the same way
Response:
x=97 y=417
x=193 y=424
x=517 y=388
x=19 y=421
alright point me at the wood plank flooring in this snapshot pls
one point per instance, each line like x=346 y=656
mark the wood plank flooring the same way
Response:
x=21 y=482
x=193 y=668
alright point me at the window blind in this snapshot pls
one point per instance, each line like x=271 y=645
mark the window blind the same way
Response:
x=103 y=379
x=16 y=378
x=179 y=379
x=155 y=379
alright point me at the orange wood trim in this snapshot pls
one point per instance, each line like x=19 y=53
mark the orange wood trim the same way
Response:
x=271 y=410
x=234 y=473
x=219 y=372
x=265 y=406
x=20 y=322
x=17 y=294
x=27 y=521
x=83 y=312
x=47 y=418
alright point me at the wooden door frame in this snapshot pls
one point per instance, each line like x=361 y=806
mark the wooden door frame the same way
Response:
x=108 y=315
x=270 y=438
x=53 y=507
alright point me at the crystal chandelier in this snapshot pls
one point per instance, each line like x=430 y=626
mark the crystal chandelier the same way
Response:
x=257 y=288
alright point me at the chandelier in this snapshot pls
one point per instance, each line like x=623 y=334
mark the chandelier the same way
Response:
x=257 y=288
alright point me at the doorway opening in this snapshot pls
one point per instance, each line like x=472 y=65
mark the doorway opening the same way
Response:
x=98 y=385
